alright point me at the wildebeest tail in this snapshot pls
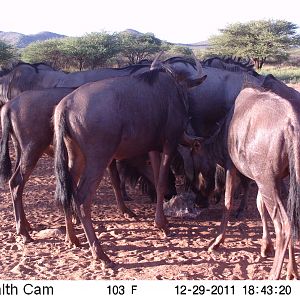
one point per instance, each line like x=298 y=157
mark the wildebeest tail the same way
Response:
x=5 y=162
x=64 y=185
x=293 y=203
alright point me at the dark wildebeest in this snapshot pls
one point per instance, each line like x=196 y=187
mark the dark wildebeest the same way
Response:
x=116 y=119
x=261 y=139
x=28 y=118
x=26 y=76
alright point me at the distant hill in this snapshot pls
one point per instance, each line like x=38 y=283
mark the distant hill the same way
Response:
x=199 y=45
x=20 y=40
x=132 y=31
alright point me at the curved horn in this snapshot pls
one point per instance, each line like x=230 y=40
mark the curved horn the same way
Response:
x=155 y=61
x=198 y=65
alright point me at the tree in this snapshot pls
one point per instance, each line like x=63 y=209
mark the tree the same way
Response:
x=258 y=40
x=100 y=48
x=177 y=50
x=7 y=53
x=48 y=51
x=87 y=52
x=136 y=47
x=73 y=49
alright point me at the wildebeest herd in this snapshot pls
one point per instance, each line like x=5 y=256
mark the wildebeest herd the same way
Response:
x=220 y=114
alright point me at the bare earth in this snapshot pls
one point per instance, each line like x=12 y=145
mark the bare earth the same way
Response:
x=136 y=246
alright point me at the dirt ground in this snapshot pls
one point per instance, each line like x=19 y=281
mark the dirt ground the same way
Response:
x=137 y=248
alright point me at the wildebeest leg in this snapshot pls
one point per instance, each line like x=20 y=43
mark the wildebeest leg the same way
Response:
x=161 y=188
x=245 y=184
x=121 y=171
x=92 y=174
x=292 y=272
x=76 y=163
x=229 y=190
x=155 y=163
x=282 y=226
x=266 y=243
x=16 y=184
x=115 y=179
x=71 y=238
x=17 y=162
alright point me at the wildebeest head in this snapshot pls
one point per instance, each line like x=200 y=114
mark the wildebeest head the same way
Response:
x=201 y=162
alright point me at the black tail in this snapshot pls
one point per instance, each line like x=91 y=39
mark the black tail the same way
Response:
x=5 y=162
x=293 y=203
x=64 y=184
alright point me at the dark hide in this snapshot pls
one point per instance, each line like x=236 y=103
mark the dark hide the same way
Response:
x=118 y=118
x=261 y=140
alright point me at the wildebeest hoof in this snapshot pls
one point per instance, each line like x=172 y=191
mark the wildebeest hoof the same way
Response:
x=72 y=242
x=127 y=198
x=292 y=276
x=213 y=247
x=108 y=265
x=165 y=232
x=28 y=227
x=27 y=239
x=129 y=215
x=267 y=250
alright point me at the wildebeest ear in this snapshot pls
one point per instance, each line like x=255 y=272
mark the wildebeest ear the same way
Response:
x=189 y=140
x=194 y=82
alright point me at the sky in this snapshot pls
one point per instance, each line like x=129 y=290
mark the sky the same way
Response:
x=185 y=21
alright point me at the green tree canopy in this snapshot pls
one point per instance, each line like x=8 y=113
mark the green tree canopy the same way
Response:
x=135 y=47
x=48 y=51
x=258 y=40
x=101 y=48
x=90 y=51
x=177 y=50
x=74 y=53
x=7 y=53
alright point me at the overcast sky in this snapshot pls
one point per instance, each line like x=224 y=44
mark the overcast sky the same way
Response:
x=186 y=21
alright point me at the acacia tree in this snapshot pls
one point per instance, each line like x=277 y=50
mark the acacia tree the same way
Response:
x=258 y=40
x=100 y=48
x=74 y=53
x=136 y=47
x=48 y=51
x=7 y=53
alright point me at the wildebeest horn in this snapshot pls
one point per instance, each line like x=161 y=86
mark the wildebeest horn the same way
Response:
x=198 y=65
x=155 y=61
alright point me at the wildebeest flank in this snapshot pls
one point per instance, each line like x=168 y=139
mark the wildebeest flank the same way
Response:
x=116 y=119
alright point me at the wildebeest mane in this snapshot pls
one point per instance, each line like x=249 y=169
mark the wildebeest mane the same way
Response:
x=135 y=68
x=149 y=76
x=232 y=64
